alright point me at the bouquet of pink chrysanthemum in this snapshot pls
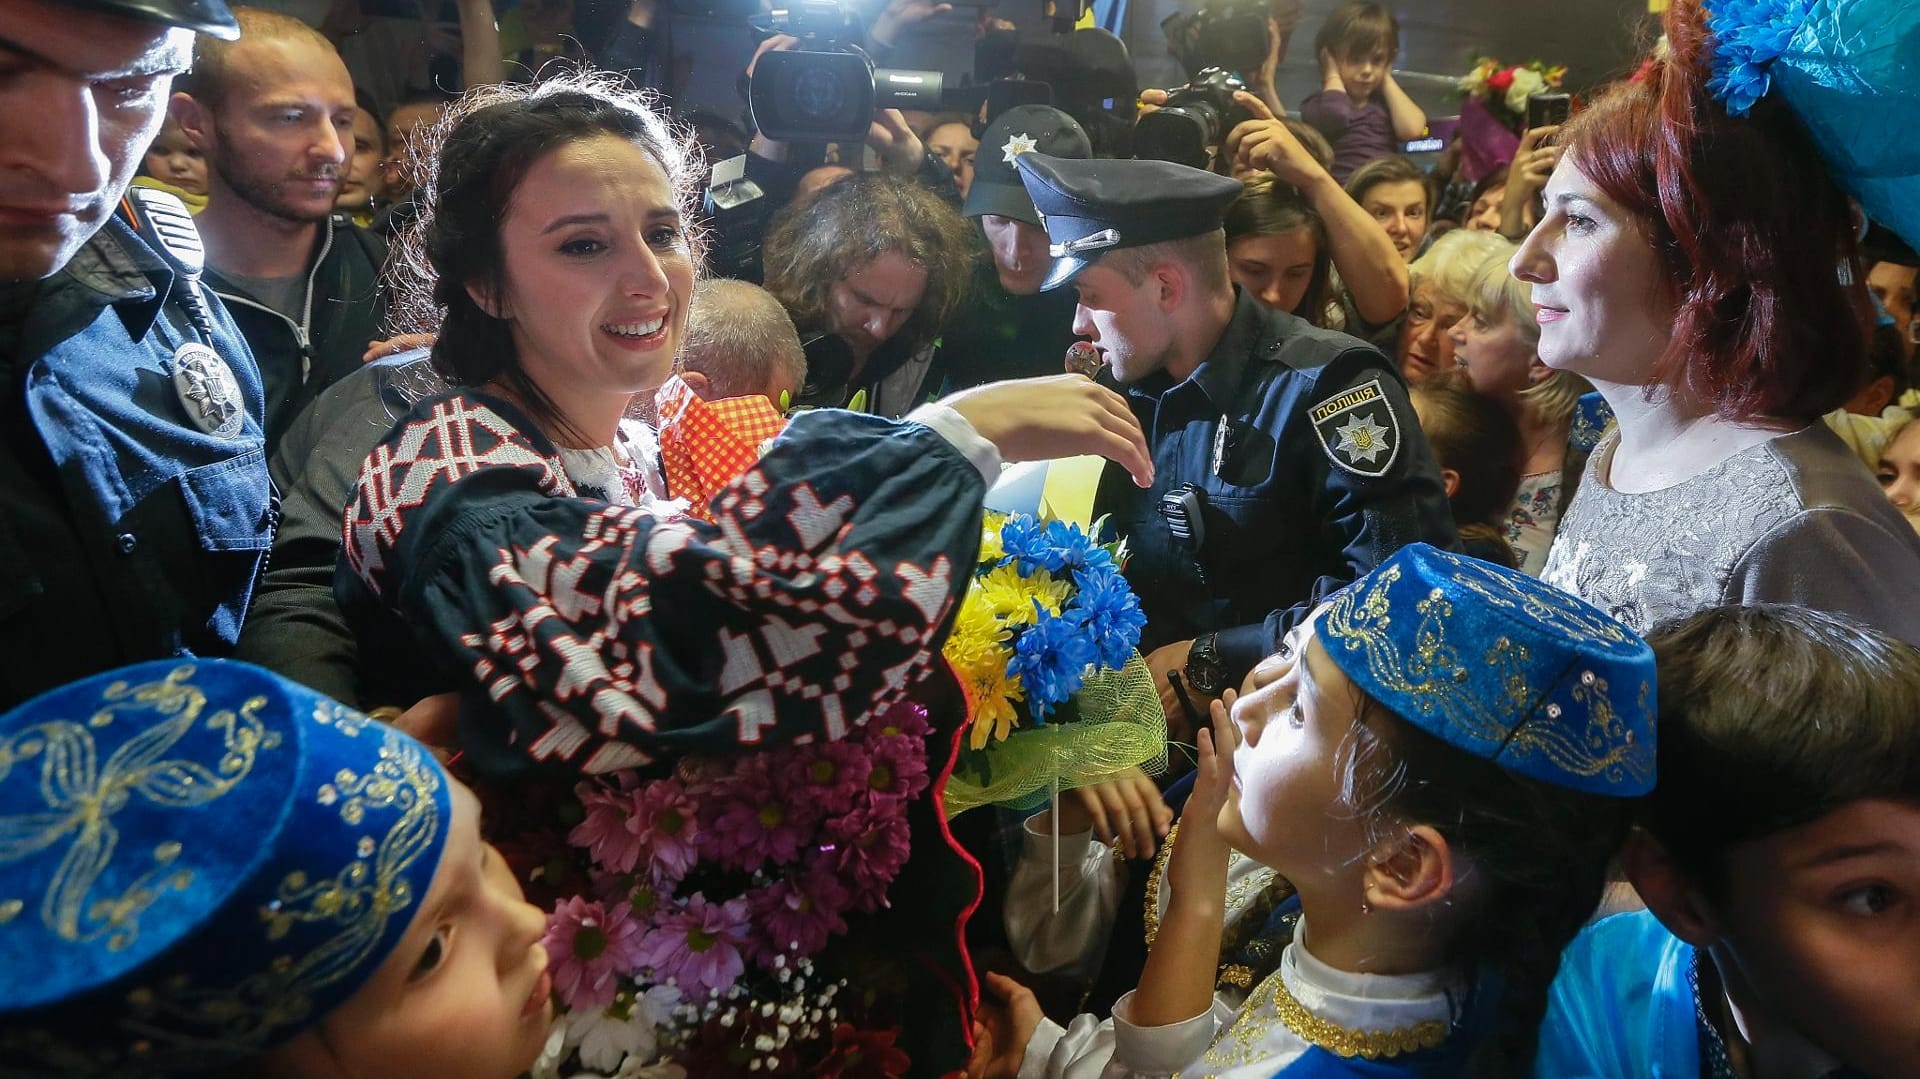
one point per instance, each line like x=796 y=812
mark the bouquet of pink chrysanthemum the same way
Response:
x=709 y=895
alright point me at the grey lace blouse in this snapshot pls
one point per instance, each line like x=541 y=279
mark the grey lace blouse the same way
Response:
x=1795 y=519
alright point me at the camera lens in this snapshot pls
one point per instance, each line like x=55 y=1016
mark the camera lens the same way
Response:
x=818 y=93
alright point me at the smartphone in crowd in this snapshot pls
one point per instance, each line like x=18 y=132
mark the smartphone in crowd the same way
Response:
x=1546 y=110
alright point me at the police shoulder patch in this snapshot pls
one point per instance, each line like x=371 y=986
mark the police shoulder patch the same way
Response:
x=1358 y=429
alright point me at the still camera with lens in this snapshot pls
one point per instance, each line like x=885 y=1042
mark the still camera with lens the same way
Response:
x=1195 y=120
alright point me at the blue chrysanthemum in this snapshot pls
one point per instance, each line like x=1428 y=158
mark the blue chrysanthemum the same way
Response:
x=1749 y=35
x=1111 y=612
x=1051 y=660
x=1071 y=549
x=1023 y=540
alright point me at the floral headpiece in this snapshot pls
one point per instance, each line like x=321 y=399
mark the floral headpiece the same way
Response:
x=1851 y=70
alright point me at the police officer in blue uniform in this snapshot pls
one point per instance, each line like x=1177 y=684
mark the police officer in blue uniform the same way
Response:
x=135 y=508
x=1287 y=459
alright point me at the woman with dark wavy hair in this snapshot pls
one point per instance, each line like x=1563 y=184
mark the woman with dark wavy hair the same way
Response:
x=509 y=537
x=1700 y=268
x=879 y=262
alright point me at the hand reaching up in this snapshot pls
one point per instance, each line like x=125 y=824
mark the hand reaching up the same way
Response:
x=1040 y=419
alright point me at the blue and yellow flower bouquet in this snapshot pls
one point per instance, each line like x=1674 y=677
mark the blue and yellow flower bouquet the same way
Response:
x=1046 y=644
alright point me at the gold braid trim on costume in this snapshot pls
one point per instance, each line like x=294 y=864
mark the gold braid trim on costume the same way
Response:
x=1370 y=1044
x=1231 y=975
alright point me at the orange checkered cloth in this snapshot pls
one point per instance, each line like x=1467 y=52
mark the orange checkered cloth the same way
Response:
x=705 y=444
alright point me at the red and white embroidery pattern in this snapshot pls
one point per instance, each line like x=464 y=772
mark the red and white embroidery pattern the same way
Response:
x=611 y=637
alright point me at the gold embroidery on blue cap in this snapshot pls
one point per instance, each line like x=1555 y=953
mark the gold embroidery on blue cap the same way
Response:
x=82 y=796
x=357 y=902
x=1433 y=679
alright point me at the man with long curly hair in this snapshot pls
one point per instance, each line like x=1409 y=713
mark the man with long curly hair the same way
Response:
x=870 y=269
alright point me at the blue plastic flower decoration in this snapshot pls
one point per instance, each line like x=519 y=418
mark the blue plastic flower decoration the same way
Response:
x=1749 y=35
x=1051 y=660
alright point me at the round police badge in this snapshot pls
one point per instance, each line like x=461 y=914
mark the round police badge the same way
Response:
x=207 y=390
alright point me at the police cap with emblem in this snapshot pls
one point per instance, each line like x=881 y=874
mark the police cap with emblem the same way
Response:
x=210 y=17
x=1091 y=207
x=1023 y=129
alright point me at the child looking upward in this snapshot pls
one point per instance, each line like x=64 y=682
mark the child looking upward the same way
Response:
x=1440 y=764
x=216 y=871
x=1361 y=110
x=1779 y=861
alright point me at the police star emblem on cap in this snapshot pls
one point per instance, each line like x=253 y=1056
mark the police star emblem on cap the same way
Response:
x=1093 y=206
x=1017 y=144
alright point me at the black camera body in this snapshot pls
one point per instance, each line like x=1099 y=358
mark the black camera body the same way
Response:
x=830 y=91
x=1231 y=34
x=1195 y=120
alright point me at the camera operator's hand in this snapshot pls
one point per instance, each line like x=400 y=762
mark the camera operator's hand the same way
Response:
x=900 y=150
x=902 y=15
x=1526 y=177
x=1040 y=419
x=1149 y=101
x=771 y=149
x=1264 y=144
x=776 y=43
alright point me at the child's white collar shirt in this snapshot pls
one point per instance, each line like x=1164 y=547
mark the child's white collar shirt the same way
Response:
x=1301 y=1006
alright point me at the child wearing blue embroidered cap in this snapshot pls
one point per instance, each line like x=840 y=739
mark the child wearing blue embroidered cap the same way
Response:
x=206 y=869
x=1441 y=764
x=1779 y=859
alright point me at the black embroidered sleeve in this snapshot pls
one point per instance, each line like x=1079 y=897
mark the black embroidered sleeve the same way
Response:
x=605 y=637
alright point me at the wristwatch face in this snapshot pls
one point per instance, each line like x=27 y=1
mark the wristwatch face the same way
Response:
x=1203 y=669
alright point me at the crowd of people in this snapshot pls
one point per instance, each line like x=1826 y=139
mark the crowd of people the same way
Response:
x=478 y=563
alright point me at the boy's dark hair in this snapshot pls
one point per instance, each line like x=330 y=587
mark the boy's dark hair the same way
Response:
x=1356 y=28
x=1772 y=717
x=1540 y=852
x=1477 y=438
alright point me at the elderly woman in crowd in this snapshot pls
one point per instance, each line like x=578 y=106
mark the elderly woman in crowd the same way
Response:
x=1497 y=344
x=1441 y=283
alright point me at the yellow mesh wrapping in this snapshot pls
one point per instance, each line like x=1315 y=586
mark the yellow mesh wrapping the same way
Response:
x=1120 y=725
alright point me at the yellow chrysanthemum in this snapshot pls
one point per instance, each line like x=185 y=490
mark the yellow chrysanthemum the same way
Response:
x=993 y=696
x=991 y=549
x=978 y=640
x=1011 y=597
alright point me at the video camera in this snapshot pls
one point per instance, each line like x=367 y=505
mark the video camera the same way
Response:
x=830 y=91
x=1231 y=34
x=1194 y=121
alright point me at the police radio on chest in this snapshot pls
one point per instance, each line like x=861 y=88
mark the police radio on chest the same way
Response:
x=164 y=222
x=1182 y=507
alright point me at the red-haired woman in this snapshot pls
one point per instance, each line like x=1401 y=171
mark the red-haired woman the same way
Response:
x=1698 y=268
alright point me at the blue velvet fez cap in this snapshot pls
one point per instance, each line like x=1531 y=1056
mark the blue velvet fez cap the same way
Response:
x=198 y=860
x=1091 y=207
x=1496 y=663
